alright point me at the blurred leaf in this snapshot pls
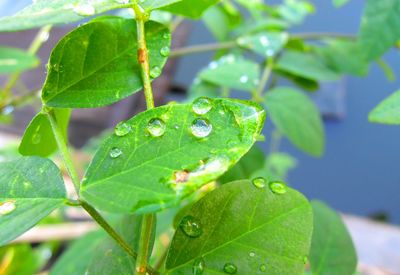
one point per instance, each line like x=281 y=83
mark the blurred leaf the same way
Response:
x=190 y=8
x=31 y=188
x=388 y=111
x=217 y=21
x=260 y=25
x=294 y=11
x=266 y=44
x=332 y=250
x=340 y=3
x=379 y=29
x=216 y=140
x=18 y=260
x=296 y=116
x=38 y=139
x=247 y=227
x=232 y=72
x=276 y=167
x=80 y=77
x=200 y=88
x=16 y=60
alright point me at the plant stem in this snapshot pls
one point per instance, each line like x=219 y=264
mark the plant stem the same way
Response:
x=148 y=222
x=322 y=35
x=162 y=259
x=275 y=141
x=257 y=96
x=202 y=48
x=62 y=146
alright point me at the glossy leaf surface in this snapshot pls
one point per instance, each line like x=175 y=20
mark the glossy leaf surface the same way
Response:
x=148 y=170
x=388 y=111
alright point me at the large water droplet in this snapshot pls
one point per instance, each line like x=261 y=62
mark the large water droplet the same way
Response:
x=201 y=128
x=278 y=187
x=230 y=268
x=155 y=71
x=115 y=152
x=198 y=266
x=7 y=207
x=191 y=227
x=156 y=127
x=122 y=129
x=84 y=9
x=263 y=268
x=165 y=51
x=201 y=105
x=259 y=182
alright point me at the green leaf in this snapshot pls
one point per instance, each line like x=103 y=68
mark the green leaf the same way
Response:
x=388 y=111
x=16 y=60
x=306 y=65
x=149 y=5
x=96 y=64
x=249 y=227
x=295 y=11
x=339 y=3
x=31 y=188
x=217 y=21
x=147 y=172
x=19 y=259
x=38 y=139
x=332 y=250
x=296 y=116
x=266 y=44
x=232 y=72
x=190 y=8
x=379 y=27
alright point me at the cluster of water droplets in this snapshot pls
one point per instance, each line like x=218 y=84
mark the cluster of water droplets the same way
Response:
x=201 y=127
x=263 y=41
x=7 y=207
x=276 y=187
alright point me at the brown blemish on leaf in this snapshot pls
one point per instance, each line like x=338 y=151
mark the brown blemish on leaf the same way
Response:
x=181 y=176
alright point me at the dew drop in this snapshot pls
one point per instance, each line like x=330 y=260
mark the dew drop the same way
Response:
x=213 y=65
x=155 y=71
x=278 y=187
x=191 y=227
x=259 y=182
x=263 y=268
x=201 y=105
x=269 y=52
x=156 y=127
x=198 y=266
x=7 y=207
x=244 y=79
x=115 y=152
x=122 y=129
x=84 y=10
x=7 y=110
x=230 y=268
x=165 y=51
x=36 y=138
x=252 y=254
x=201 y=128
x=166 y=35
x=264 y=41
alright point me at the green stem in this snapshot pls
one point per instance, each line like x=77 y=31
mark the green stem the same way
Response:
x=202 y=48
x=257 y=96
x=162 y=259
x=275 y=141
x=148 y=222
x=322 y=35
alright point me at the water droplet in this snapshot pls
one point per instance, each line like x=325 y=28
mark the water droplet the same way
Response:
x=155 y=71
x=244 y=79
x=269 y=52
x=259 y=182
x=36 y=138
x=201 y=105
x=213 y=65
x=84 y=10
x=7 y=207
x=7 y=110
x=156 y=127
x=264 y=41
x=263 y=268
x=252 y=254
x=277 y=187
x=165 y=51
x=115 y=152
x=191 y=227
x=230 y=268
x=122 y=129
x=201 y=128
x=198 y=266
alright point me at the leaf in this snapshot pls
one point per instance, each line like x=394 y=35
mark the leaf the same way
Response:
x=232 y=72
x=149 y=5
x=249 y=227
x=38 y=139
x=217 y=22
x=16 y=60
x=266 y=44
x=379 y=27
x=190 y=8
x=332 y=250
x=306 y=65
x=150 y=172
x=80 y=77
x=31 y=188
x=388 y=111
x=296 y=116
x=339 y=3
x=295 y=11
x=19 y=259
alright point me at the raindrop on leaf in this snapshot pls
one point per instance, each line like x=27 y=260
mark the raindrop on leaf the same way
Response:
x=156 y=127
x=165 y=51
x=191 y=227
x=122 y=129
x=230 y=268
x=201 y=105
x=244 y=79
x=278 y=187
x=263 y=268
x=259 y=182
x=201 y=128
x=198 y=266
x=155 y=71
x=115 y=152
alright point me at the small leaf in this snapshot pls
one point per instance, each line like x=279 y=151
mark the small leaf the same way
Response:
x=170 y=152
x=31 y=188
x=266 y=44
x=232 y=72
x=38 y=139
x=80 y=77
x=332 y=250
x=246 y=228
x=16 y=60
x=217 y=21
x=295 y=11
x=190 y=8
x=306 y=65
x=388 y=111
x=296 y=116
